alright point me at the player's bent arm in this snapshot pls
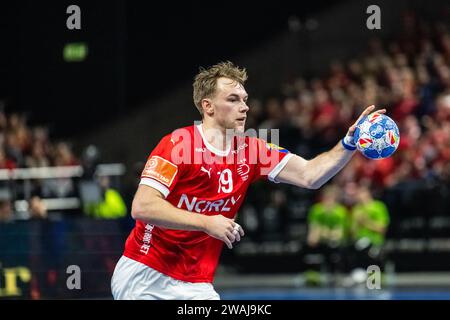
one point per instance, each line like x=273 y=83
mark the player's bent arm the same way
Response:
x=314 y=173
x=149 y=206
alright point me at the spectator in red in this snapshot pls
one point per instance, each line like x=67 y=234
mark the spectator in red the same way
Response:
x=6 y=163
x=64 y=155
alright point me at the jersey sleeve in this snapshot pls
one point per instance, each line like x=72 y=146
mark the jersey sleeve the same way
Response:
x=271 y=159
x=162 y=171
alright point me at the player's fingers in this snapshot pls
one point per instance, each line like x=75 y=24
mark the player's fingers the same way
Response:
x=239 y=229
x=235 y=226
x=353 y=127
x=237 y=235
x=231 y=225
x=227 y=242
x=368 y=110
x=351 y=130
x=230 y=236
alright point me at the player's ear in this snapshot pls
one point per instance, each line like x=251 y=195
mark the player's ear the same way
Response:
x=207 y=107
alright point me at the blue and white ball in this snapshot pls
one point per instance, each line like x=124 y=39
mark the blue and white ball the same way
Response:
x=377 y=136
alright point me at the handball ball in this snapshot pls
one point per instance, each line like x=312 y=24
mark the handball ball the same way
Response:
x=377 y=136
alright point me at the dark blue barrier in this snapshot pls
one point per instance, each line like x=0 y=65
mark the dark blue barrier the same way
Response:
x=35 y=256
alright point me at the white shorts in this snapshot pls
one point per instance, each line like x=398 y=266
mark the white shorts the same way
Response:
x=133 y=280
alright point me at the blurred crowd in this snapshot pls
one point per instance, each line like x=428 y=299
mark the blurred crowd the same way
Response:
x=409 y=76
x=22 y=146
x=36 y=234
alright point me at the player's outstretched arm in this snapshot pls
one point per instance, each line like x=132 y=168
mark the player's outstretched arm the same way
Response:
x=149 y=206
x=314 y=173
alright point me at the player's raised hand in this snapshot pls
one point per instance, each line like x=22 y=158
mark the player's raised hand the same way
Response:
x=366 y=112
x=224 y=229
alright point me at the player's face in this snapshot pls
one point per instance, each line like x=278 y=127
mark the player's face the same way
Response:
x=230 y=104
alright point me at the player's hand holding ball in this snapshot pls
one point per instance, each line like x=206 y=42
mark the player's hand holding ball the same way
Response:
x=374 y=134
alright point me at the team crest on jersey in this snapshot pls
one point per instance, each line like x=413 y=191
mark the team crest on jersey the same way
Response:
x=160 y=170
x=272 y=146
x=243 y=170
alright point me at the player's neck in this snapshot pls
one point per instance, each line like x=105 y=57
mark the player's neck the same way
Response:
x=216 y=136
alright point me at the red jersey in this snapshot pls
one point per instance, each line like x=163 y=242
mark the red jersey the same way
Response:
x=195 y=176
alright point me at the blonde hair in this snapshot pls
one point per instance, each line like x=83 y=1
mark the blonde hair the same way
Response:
x=205 y=82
